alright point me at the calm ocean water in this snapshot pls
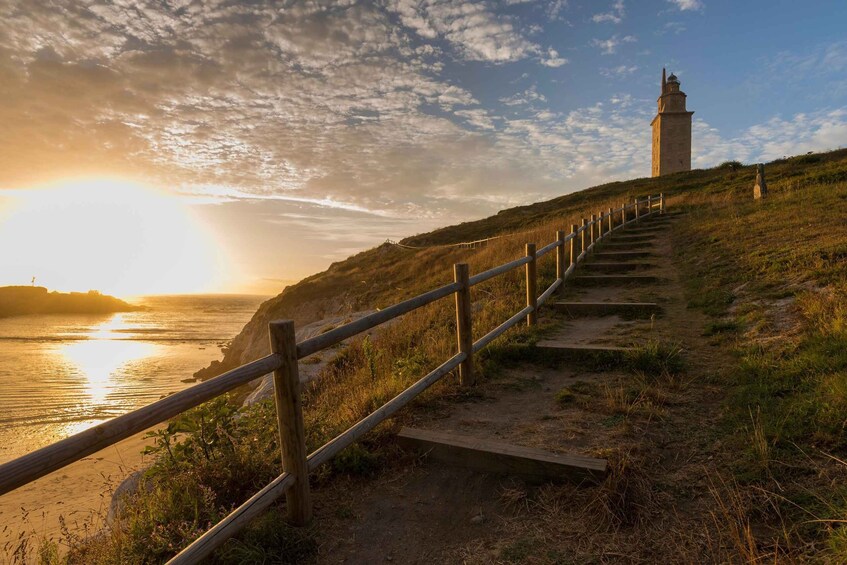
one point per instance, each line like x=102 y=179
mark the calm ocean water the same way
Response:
x=61 y=374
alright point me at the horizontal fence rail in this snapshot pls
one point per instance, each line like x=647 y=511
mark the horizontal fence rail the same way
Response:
x=35 y=465
x=570 y=249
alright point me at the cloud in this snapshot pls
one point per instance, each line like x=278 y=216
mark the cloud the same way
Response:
x=672 y=27
x=330 y=106
x=472 y=28
x=793 y=69
x=803 y=132
x=478 y=118
x=615 y=15
x=316 y=99
x=526 y=97
x=687 y=4
x=775 y=138
x=555 y=8
x=621 y=71
x=610 y=46
x=553 y=59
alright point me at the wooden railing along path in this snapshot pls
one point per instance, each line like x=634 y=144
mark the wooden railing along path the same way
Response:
x=283 y=362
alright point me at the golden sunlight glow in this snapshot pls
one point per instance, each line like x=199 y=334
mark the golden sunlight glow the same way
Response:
x=98 y=360
x=110 y=235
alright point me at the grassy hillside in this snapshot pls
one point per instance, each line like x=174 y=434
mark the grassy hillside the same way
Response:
x=771 y=273
x=387 y=274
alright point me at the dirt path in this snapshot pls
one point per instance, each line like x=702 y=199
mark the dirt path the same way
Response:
x=656 y=430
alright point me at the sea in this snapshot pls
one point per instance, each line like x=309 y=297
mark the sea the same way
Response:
x=61 y=374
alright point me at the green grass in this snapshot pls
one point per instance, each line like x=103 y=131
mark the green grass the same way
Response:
x=720 y=327
x=565 y=397
x=655 y=358
x=268 y=539
x=774 y=274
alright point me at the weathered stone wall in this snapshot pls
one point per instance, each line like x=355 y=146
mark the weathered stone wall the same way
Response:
x=671 y=135
x=657 y=139
x=674 y=143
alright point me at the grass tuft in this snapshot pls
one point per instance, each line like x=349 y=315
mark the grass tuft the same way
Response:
x=655 y=358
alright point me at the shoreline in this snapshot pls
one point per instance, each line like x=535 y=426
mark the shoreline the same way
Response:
x=74 y=500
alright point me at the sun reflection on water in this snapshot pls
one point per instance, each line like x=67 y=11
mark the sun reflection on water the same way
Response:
x=109 y=328
x=102 y=360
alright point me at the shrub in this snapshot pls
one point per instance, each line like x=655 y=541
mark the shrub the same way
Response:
x=731 y=165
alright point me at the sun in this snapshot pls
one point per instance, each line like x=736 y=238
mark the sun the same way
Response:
x=116 y=236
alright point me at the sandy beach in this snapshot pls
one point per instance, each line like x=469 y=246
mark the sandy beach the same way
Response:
x=64 y=373
x=78 y=495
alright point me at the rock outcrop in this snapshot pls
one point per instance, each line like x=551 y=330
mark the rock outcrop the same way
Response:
x=28 y=300
x=316 y=304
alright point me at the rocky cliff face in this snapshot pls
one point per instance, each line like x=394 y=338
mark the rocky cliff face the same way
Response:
x=311 y=318
x=316 y=304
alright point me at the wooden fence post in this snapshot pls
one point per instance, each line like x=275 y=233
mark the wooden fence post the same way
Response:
x=289 y=413
x=531 y=286
x=583 y=237
x=574 y=243
x=636 y=209
x=661 y=203
x=611 y=221
x=464 y=334
x=560 y=257
x=593 y=229
x=623 y=213
x=599 y=225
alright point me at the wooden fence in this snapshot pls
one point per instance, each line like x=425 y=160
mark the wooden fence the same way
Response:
x=571 y=249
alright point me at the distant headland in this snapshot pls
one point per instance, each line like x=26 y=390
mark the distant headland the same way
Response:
x=25 y=300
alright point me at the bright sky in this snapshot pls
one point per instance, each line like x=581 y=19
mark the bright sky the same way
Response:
x=294 y=134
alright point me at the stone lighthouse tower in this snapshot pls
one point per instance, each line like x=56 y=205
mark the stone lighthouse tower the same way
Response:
x=671 y=130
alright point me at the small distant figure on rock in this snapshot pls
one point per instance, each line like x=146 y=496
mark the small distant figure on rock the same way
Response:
x=760 y=189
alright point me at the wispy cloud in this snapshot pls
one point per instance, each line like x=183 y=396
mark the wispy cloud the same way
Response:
x=474 y=29
x=553 y=59
x=621 y=71
x=526 y=97
x=615 y=15
x=687 y=4
x=787 y=74
x=555 y=9
x=775 y=138
x=673 y=27
x=610 y=46
x=829 y=59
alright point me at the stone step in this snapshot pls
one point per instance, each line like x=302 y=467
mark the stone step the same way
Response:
x=646 y=227
x=615 y=244
x=627 y=237
x=620 y=255
x=501 y=458
x=615 y=267
x=627 y=309
x=598 y=355
x=614 y=280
